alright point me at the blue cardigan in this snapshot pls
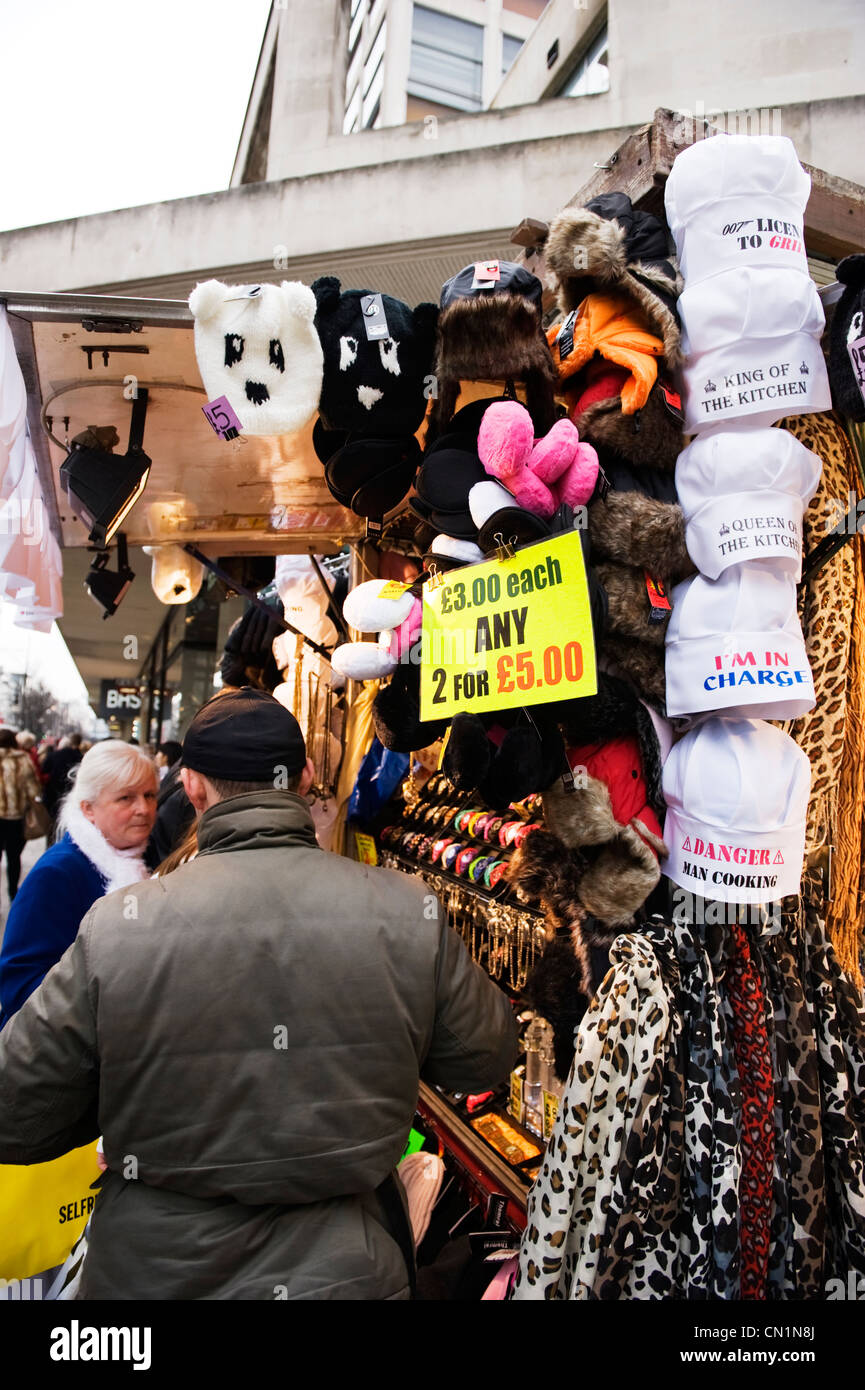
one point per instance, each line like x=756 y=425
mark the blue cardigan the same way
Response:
x=44 y=919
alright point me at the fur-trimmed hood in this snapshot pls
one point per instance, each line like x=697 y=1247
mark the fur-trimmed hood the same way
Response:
x=610 y=244
x=118 y=867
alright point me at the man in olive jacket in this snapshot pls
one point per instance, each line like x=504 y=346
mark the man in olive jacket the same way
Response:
x=247 y=1034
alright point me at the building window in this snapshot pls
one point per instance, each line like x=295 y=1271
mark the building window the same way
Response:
x=446 y=60
x=592 y=73
x=510 y=49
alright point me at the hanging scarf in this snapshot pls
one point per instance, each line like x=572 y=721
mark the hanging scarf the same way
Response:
x=118 y=867
x=709 y=1238
x=619 y=1047
x=754 y=1065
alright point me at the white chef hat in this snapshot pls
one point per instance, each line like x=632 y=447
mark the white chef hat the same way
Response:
x=751 y=340
x=737 y=200
x=743 y=492
x=734 y=644
x=737 y=798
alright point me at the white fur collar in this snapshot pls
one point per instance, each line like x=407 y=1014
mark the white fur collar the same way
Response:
x=119 y=867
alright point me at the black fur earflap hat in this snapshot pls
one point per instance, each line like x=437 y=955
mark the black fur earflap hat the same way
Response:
x=610 y=245
x=848 y=325
x=493 y=332
x=374 y=385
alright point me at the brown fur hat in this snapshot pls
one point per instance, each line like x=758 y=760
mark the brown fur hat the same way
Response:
x=580 y=817
x=609 y=244
x=494 y=338
x=641 y=532
x=629 y=609
x=643 y=665
x=621 y=877
x=652 y=436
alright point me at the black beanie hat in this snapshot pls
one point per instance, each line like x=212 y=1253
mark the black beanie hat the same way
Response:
x=244 y=736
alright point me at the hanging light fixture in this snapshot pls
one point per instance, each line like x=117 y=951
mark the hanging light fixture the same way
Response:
x=106 y=586
x=175 y=575
x=103 y=487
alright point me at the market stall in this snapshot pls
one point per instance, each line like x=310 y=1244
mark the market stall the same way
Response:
x=601 y=688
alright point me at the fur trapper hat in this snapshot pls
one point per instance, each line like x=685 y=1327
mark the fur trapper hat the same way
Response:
x=613 y=711
x=373 y=385
x=494 y=334
x=848 y=325
x=640 y=532
x=609 y=244
x=652 y=436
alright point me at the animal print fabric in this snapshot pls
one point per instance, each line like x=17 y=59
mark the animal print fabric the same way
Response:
x=619 y=1053
x=839 y=1026
x=754 y=1065
x=709 y=1222
x=799 y=1211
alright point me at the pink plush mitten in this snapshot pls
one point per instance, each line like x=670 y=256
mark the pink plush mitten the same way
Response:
x=554 y=454
x=577 y=483
x=505 y=441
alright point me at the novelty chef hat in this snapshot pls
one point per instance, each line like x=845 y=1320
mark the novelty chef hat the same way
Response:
x=737 y=200
x=257 y=346
x=735 y=645
x=743 y=492
x=737 y=798
x=751 y=340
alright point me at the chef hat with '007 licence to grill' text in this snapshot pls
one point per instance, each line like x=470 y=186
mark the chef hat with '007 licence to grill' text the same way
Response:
x=737 y=798
x=735 y=645
x=743 y=492
x=737 y=200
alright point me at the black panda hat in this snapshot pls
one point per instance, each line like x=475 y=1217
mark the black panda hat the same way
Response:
x=373 y=385
x=848 y=326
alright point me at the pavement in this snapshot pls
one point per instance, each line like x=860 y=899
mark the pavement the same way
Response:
x=32 y=851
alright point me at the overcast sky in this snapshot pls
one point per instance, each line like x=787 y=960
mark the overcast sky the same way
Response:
x=107 y=103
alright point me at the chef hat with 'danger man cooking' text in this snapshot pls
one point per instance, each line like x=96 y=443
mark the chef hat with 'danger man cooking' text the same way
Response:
x=751 y=340
x=737 y=200
x=735 y=645
x=737 y=798
x=743 y=492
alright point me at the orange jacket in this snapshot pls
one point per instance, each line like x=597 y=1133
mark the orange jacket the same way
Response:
x=614 y=327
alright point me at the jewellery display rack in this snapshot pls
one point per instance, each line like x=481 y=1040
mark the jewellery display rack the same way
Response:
x=461 y=850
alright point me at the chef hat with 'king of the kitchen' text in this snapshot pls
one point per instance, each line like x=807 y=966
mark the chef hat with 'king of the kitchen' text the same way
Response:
x=743 y=492
x=751 y=340
x=737 y=200
x=735 y=645
x=737 y=797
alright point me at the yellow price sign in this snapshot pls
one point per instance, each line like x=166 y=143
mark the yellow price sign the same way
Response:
x=509 y=633
x=366 y=851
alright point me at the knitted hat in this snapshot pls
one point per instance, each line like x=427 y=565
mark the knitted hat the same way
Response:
x=375 y=372
x=735 y=644
x=737 y=200
x=737 y=797
x=743 y=492
x=752 y=345
x=256 y=345
x=244 y=736
x=609 y=244
x=848 y=328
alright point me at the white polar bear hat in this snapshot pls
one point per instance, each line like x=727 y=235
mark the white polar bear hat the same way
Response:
x=257 y=346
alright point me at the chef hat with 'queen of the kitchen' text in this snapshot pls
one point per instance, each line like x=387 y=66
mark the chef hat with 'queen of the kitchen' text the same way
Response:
x=737 y=798
x=751 y=340
x=743 y=492
x=737 y=200
x=735 y=645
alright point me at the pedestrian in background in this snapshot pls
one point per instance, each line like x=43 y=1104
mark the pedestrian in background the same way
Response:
x=19 y=787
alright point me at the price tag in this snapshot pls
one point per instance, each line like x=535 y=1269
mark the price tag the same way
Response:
x=857 y=361
x=509 y=633
x=551 y=1110
x=487 y=274
x=222 y=418
x=374 y=320
x=659 y=604
x=393 y=589
x=366 y=851
x=565 y=340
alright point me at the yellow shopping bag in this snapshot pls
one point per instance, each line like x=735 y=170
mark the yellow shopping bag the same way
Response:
x=43 y=1210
